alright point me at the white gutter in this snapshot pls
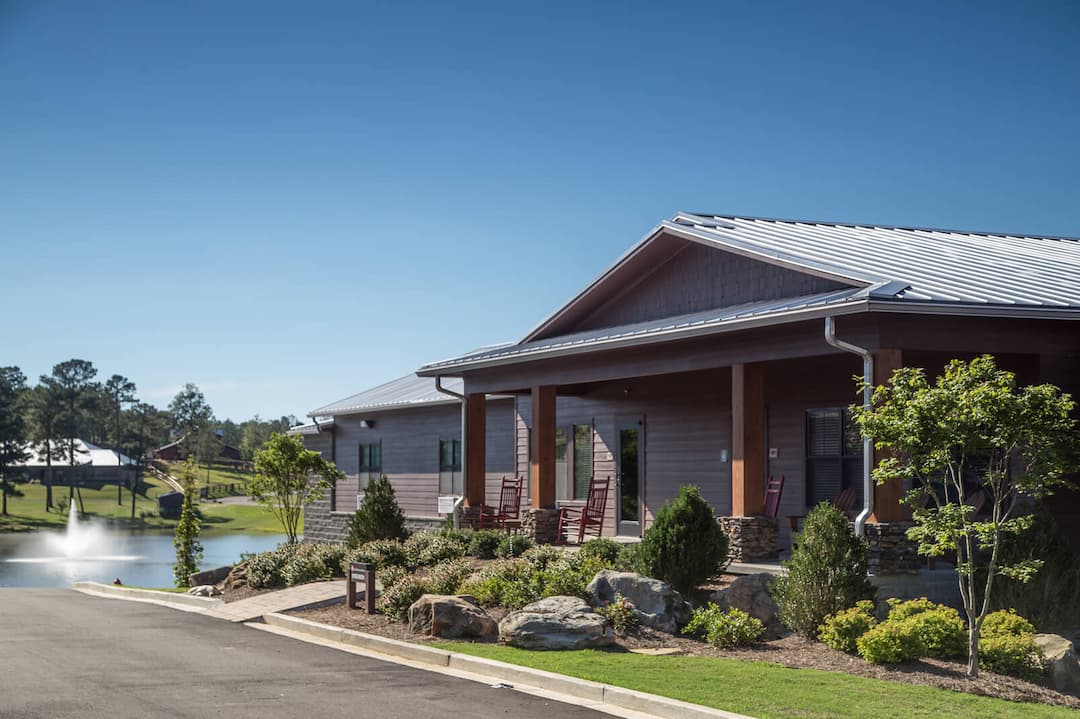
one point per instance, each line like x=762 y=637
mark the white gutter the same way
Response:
x=868 y=447
x=464 y=410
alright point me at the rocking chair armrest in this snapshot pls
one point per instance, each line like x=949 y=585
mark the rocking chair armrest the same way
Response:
x=571 y=512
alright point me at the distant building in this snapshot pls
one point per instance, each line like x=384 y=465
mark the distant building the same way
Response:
x=92 y=464
x=176 y=452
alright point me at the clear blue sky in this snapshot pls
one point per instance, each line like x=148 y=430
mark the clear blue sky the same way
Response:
x=288 y=203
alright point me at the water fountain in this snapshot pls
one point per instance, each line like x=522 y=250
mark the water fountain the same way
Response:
x=80 y=542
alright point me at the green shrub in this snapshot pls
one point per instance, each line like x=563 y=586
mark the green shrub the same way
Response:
x=1013 y=654
x=901 y=609
x=264 y=569
x=629 y=559
x=291 y=564
x=381 y=553
x=724 y=629
x=513 y=545
x=378 y=517
x=462 y=536
x=842 y=630
x=391 y=575
x=619 y=612
x=891 y=643
x=1005 y=622
x=685 y=545
x=426 y=549
x=395 y=601
x=483 y=542
x=602 y=548
x=942 y=631
x=542 y=556
x=447 y=577
x=826 y=572
x=491 y=584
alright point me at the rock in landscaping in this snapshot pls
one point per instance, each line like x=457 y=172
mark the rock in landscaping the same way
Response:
x=750 y=593
x=237 y=577
x=436 y=615
x=656 y=603
x=1063 y=662
x=205 y=590
x=556 y=623
x=210 y=576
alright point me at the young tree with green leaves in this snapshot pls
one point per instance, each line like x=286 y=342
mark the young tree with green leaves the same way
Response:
x=72 y=383
x=186 y=535
x=973 y=429
x=13 y=435
x=44 y=415
x=378 y=516
x=118 y=390
x=191 y=415
x=288 y=477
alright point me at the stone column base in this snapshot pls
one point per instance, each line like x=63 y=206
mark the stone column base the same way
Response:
x=751 y=538
x=540 y=525
x=468 y=517
x=889 y=550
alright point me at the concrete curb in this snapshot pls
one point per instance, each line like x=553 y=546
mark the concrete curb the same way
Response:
x=593 y=692
x=148 y=595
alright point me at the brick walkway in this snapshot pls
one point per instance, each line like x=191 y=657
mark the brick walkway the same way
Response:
x=251 y=608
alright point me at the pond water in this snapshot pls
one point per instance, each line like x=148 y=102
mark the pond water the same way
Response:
x=145 y=559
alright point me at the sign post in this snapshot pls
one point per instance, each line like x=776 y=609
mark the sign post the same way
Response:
x=361 y=572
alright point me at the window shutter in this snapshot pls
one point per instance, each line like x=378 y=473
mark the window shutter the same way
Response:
x=583 y=459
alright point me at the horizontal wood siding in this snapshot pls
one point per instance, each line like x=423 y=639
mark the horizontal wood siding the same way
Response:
x=320 y=443
x=410 y=451
x=700 y=278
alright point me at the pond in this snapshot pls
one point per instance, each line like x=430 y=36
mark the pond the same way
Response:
x=141 y=559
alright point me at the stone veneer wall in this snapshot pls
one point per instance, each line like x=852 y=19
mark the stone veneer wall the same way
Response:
x=540 y=525
x=890 y=551
x=322 y=525
x=751 y=539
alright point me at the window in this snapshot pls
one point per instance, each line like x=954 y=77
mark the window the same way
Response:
x=451 y=480
x=833 y=455
x=562 y=464
x=370 y=463
x=583 y=456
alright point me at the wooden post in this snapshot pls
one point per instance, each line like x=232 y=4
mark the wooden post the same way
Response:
x=542 y=451
x=475 y=449
x=887 y=506
x=747 y=440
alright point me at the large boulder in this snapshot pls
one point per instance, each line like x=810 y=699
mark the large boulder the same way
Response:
x=750 y=593
x=210 y=576
x=436 y=615
x=657 y=605
x=1062 y=660
x=556 y=623
x=204 y=590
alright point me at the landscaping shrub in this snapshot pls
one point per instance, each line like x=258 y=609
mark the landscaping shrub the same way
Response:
x=685 y=544
x=503 y=583
x=1007 y=646
x=461 y=536
x=724 y=629
x=842 y=630
x=447 y=577
x=391 y=575
x=513 y=545
x=483 y=543
x=381 y=553
x=426 y=549
x=570 y=576
x=1051 y=599
x=619 y=612
x=826 y=572
x=607 y=550
x=891 y=643
x=542 y=556
x=264 y=569
x=378 y=517
x=629 y=559
x=291 y=564
x=396 y=599
x=942 y=631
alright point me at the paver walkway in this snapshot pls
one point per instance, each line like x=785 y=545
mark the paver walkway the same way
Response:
x=245 y=610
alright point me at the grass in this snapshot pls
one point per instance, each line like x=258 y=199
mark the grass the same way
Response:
x=27 y=513
x=217 y=474
x=761 y=689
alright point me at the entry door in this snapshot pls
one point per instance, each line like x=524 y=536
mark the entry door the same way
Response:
x=630 y=471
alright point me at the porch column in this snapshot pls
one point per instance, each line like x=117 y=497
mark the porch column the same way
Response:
x=747 y=440
x=887 y=506
x=542 y=451
x=475 y=448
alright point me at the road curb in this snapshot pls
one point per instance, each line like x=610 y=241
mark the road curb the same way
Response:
x=148 y=595
x=594 y=692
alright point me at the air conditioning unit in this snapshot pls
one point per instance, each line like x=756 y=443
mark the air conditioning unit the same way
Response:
x=359 y=499
x=446 y=504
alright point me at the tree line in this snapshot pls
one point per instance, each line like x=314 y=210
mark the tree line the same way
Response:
x=72 y=403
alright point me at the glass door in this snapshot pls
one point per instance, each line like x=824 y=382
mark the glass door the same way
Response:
x=629 y=470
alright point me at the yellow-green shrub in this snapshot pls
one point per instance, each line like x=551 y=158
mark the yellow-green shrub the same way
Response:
x=842 y=630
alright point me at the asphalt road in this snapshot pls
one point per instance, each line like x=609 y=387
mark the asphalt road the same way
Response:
x=66 y=654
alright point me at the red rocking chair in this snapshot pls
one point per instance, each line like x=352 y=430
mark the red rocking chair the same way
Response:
x=588 y=519
x=507 y=514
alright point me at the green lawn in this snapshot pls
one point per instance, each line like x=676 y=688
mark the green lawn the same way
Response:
x=762 y=690
x=28 y=513
x=217 y=474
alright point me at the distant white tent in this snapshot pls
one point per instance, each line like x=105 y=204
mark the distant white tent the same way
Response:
x=86 y=454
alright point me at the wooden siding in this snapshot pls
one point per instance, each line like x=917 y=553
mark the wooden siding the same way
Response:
x=410 y=451
x=321 y=443
x=699 y=278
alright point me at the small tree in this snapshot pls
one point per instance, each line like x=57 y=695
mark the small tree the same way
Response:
x=379 y=516
x=826 y=573
x=288 y=478
x=972 y=431
x=186 y=536
x=685 y=544
x=12 y=427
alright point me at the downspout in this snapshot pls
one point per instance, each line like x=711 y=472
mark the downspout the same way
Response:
x=868 y=447
x=464 y=413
